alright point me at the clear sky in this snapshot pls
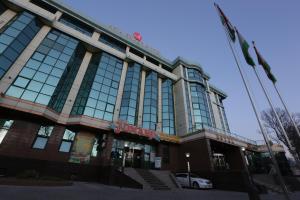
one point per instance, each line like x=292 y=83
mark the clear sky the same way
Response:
x=192 y=29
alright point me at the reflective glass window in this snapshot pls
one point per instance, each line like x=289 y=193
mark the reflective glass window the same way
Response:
x=98 y=91
x=67 y=141
x=128 y=110
x=5 y=125
x=200 y=110
x=14 y=37
x=150 y=101
x=194 y=74
x=75 y=24
x=167 y=107
x=42 y=137
x=48 y=76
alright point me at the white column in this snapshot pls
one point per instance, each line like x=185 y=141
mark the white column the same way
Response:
x=6 y=17
x=120 y=92
x=180 y=103
x=58 y=15
x=141 y=100
x=15 y=69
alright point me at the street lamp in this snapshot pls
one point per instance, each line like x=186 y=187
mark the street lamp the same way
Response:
x=187 y=155
x=252 y=192
x=124 y=157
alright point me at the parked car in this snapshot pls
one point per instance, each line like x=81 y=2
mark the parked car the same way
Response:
x=196 y=181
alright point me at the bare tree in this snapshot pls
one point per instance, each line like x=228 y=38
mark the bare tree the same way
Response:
x=274 y=130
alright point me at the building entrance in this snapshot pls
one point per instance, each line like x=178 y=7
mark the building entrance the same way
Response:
x=133 y=154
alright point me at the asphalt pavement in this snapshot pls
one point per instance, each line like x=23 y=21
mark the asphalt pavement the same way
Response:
x=94 y=191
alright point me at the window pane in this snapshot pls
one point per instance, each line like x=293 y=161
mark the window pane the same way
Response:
x=65 y=146
x=40 y=143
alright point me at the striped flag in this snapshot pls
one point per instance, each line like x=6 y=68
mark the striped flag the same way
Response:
x=226 y=23
x=265 y=65
x=245 y=47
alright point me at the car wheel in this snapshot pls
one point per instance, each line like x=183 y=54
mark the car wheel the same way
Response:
x=196 y=185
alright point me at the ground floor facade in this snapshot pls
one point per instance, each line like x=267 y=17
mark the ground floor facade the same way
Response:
x=75 y=151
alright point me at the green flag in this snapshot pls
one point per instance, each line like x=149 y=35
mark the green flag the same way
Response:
x=265 y=65
x=245 y=47
x=226 y=23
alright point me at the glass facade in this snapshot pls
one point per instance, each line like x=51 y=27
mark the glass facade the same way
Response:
x=150 y=101
x=199 y=106
x=129 y=104
x=167 y=107
x=66 y=81
x=190 y=120
x=136 y=154
x=194 y=74
x=76 y=24
x=112 y=43
x=99 y=89
x=14 y=37
x=4 y=127
x=43 y=72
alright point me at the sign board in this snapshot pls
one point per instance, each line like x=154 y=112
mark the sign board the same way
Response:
x=157 y=162
x=121 y=126
x=152 y=157
x=137 y=36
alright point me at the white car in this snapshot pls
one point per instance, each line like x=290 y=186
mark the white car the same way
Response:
x=196 y=181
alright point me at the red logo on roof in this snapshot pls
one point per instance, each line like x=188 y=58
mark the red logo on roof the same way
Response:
x=137 y=36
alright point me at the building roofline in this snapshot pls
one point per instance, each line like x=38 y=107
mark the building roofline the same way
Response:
x=110 y=30
x=218 y=91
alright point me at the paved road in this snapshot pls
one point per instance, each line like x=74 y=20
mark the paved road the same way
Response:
x=89 y=191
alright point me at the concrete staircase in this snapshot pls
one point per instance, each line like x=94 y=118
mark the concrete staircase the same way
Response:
x=153 y=179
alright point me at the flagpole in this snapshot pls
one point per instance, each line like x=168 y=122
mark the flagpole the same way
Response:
x=286 y=109
x=276 y=115
x=265 y=136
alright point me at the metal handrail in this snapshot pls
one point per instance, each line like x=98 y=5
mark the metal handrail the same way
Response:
x=217 y=130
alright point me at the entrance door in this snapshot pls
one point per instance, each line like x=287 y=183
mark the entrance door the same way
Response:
x=137 y=158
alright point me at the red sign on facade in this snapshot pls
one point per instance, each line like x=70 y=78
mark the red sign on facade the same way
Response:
x=137 y=36
x=121 y=126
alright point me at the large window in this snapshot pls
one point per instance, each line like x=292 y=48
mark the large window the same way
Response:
x=167 y=107
x=76 y=24
x=4 y=127
x=199 y=106
x=42 y=73
x=42 y=137
x=67 y=141
x=130 y=99
x=14 y=37
x=99 y=89
x=112 y=42
x=194 y=74
x=150 y=101
x=61 y=92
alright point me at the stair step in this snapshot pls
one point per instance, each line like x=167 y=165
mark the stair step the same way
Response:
x=154 y=182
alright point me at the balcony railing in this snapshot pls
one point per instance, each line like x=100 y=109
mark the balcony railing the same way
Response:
x=217 y=130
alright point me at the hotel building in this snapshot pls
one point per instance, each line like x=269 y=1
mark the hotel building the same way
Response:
x=82 y=98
